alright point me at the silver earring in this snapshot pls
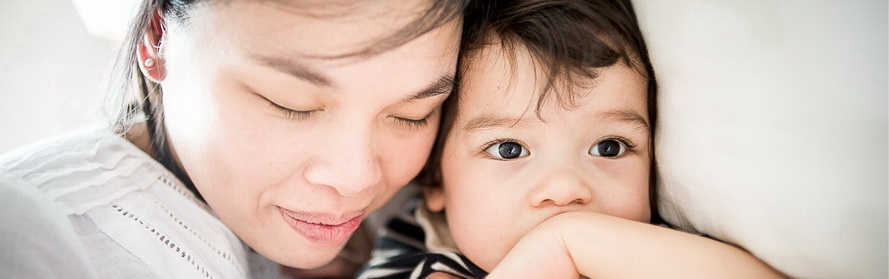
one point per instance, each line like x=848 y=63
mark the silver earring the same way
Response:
x=149 y=62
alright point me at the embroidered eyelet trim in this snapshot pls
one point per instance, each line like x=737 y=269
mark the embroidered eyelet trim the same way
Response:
x=182 y=192
x=179 y=190
x=165 y=239
x=219 y=252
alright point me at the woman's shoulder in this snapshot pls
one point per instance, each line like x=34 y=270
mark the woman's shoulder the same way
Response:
x=56 y=145
x=64 y=151
x=77 y=168
x=127 y=201
x=36 y=241
x=33 y=218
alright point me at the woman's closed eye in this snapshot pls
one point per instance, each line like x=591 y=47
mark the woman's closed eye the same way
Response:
x=412 y=123
x=294 y=114
x=298 y=114
x=505 y=149
x=415 y=116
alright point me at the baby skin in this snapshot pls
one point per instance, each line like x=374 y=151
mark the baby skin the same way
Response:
x=561 y=189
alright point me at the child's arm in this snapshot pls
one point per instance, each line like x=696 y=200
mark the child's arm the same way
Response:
x=601 y=246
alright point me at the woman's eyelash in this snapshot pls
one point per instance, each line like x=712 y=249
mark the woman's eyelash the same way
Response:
x=413 y=123
x=289 y=113
x=293 y=114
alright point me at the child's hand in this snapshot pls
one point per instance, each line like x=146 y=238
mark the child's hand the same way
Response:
x=542 y=253
x=602 y=246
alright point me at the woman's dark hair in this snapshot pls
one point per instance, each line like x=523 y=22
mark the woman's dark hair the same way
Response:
x=131 y=98
x=568 y=39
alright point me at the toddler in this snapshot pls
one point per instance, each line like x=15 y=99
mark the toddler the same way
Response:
x=544 y=156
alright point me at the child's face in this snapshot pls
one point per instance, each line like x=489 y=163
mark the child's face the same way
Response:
x=505 y=170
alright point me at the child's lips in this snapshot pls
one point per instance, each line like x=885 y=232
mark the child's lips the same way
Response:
x=323 y=229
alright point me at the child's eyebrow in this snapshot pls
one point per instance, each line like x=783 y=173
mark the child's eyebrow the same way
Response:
x=487 y=121
x=625 y=115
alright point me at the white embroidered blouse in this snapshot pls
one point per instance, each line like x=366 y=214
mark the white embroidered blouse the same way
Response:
x=92 y=204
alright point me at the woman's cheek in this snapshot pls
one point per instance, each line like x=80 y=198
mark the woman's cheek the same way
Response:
x=408 y=156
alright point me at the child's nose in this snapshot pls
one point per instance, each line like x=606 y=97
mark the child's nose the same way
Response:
x=563 y=187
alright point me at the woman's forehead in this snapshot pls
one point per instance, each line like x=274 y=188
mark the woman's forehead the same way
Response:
x=311 y=28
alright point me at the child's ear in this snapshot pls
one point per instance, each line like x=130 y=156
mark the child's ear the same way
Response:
x=435 y=199
x=151 y=62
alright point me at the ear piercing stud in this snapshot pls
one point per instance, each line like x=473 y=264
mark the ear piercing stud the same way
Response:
x=148 y=62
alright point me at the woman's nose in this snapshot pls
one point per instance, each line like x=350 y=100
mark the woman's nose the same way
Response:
x=347 y=162
x=561 y=187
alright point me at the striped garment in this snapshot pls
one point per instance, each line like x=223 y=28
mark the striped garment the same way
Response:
x=415 y=244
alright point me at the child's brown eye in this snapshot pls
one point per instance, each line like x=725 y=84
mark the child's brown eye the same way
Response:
x=507 y=150
x=609 y=148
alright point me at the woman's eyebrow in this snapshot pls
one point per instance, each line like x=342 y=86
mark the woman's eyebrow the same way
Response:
x=443 y=85
x=295 y=69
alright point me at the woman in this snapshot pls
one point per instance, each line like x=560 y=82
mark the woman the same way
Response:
x=281 y=124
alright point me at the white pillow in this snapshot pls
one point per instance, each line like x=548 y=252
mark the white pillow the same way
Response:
x=773 y=128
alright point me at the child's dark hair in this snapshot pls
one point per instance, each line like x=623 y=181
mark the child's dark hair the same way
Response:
x=568 y=39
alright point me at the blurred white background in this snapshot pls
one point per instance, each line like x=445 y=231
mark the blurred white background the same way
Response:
x=51 y=69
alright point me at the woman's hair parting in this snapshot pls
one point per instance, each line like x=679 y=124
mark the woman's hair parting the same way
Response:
x=131 y=98
x=569 y=40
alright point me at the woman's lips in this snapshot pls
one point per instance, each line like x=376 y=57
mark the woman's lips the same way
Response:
x=323 y=230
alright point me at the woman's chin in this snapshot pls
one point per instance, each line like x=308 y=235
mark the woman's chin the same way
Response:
x=337 y=268
x=312 y=260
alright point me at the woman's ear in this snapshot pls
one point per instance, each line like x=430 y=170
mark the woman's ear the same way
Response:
x=434 y=198
x=148 y=52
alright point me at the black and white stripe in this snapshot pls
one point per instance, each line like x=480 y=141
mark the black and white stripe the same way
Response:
x=400 y=253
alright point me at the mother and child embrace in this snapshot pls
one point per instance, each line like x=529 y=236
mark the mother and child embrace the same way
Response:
x=248 y=136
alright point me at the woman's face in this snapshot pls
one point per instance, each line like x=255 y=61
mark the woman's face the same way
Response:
x=292 y=148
